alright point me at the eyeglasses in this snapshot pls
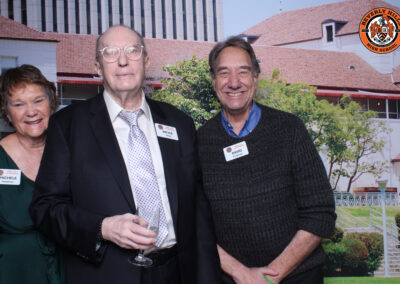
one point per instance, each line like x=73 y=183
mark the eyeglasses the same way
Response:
x=112 y=53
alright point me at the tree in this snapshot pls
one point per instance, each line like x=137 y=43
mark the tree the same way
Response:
x=364 y=139
x=348 y=133
x=189 y=88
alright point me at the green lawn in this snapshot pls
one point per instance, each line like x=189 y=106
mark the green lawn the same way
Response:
x=362 y=212
x=360 y=280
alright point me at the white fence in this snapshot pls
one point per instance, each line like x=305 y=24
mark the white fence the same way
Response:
x=366 y=199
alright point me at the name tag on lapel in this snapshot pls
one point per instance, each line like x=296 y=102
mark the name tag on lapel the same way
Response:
x=236 y=151
x=166 y=131
x=10 y=177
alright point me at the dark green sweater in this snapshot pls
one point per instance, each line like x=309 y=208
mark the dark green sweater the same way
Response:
x=261 y=200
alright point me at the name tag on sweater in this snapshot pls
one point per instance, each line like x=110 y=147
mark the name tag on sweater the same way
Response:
x=10 y=177
x=236 y=151
x=166 y=131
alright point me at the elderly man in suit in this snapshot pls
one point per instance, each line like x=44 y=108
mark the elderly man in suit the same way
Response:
x=116 y=152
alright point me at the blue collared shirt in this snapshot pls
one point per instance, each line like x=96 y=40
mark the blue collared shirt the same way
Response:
x=251 y=122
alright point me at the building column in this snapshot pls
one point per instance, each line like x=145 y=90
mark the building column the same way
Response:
x=199 y=18
x=179 y=19
x=189 y=19
x=94 y=17
x=104 y=15
x=4 y=8
x=158 y=20
x=82 y=17
x=169 y=21
x=148 y=24
x=33 y=15
x=115 y=12
x=220 y=21
x=137 y=16
x=60 y=16
x=16 y=9
x=71 y=17
x=210 y=20
x=126 y=15
x=49 y=15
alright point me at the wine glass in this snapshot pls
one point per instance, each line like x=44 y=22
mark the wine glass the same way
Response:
x=140 y=259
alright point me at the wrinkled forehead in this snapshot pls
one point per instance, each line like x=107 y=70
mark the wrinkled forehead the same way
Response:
x=118 y=36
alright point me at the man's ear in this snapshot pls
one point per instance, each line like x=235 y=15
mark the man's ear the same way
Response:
x=146 y=62
x=98 y=69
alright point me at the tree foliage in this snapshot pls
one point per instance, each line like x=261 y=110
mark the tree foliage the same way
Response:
x=347 y=135
x=356 y=254
x=190 y=89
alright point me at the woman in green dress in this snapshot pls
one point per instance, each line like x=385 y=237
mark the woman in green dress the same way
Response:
x=27 y=99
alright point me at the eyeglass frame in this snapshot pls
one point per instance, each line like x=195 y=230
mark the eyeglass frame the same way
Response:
x=119 y=52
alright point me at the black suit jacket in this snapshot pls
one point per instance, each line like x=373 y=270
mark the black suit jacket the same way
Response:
x=83 y=178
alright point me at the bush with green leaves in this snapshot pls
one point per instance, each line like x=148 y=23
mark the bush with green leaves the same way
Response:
x=397 y=219
x=355 y=254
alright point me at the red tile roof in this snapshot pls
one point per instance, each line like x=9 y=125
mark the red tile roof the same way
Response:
x=75 y=57
x=323 y=68
x=306 y=24
x=10 y=29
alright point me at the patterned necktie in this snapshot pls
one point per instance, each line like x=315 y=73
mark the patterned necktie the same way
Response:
x=142 y=174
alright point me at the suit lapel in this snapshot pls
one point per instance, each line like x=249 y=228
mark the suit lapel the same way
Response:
x=170 y=155
x=104 y=133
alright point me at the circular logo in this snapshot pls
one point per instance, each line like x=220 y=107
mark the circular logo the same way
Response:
x=1 y=172
x=228 y=150
x=379 y=30
x=160 y=127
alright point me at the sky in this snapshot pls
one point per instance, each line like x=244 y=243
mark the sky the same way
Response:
x=239 y=15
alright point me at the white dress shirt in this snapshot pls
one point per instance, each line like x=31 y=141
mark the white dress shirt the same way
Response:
x=145 y=122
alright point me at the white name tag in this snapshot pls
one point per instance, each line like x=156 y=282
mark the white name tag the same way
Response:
x=166 y=131
x=236 y=151
x=10 y=177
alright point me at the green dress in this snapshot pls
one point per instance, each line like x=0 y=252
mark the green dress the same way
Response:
x=25 y=255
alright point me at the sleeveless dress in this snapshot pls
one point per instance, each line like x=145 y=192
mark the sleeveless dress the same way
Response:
x=26 y=256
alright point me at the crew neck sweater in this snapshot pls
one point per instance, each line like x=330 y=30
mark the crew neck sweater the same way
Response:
x=259 y=201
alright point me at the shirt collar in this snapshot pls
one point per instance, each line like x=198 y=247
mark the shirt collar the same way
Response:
x=249 y=125
x=114 y=108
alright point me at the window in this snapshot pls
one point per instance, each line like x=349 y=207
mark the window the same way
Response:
x=77 y=23
x=184 y=19
x=43 y=11
x=394 y=109
x=88 y=20
x=24 y=17
x=174 y=18
x=329 y=33
x=205 y=20
x=331 y=99
x=378 y=105
x=153 y=19
x=164 y=21
x=66 y=16
x=7 y=62
x=363 y=102
x=194 y=19
x=54 y=15
x=215 y=20
x=10 y=9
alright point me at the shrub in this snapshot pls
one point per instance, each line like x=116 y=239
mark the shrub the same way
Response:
x=397 y=219
x=355 y=258
x=374 y=244
x=335 y=253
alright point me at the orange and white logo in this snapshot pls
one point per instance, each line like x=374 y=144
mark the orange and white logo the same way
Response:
x=379 y=30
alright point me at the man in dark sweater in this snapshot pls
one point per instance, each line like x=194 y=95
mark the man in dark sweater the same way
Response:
x=270 y=196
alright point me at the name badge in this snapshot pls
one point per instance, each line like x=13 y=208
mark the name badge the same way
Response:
x=236 y=151
x=10 y=177
x=166 y=131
